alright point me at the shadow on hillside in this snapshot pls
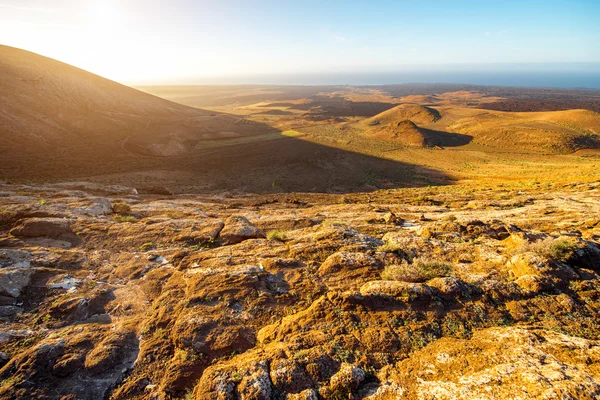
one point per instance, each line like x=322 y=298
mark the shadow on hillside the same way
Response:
x=264 y=163
x=289 y=164
x=446 y=139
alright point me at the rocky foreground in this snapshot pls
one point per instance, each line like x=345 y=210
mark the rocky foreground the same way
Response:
x=434 y=293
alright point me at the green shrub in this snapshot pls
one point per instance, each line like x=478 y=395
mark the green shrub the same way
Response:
x=276 y=235
x=420 y=270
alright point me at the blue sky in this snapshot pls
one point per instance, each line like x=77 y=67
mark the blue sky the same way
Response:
x=155 y=41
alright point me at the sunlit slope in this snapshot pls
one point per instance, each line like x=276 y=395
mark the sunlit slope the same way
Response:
x=413 y=112
x=553 y=131
x=49 y=109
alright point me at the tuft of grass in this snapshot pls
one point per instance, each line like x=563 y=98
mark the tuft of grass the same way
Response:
x=389 y=247
x=558 y=249
x=147 y=246
x=277 y=235
x=420 y=270
x=124 y=218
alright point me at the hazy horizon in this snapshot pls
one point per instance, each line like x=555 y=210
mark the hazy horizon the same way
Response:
x=184 y=41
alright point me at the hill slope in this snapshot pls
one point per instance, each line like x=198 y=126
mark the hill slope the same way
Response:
x=58 y=122
x=550 y=131
x=405 y=132
x=418 y=114
x=49 y=109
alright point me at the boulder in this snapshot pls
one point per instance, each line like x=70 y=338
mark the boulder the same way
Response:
x=237 y=229
x=13 y=281
x=43 y=227
x=347 y=271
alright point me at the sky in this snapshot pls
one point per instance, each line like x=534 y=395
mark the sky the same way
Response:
x=187 y=41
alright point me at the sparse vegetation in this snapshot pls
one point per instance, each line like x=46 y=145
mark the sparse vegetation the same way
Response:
x=277 y=235
x=419 y=270
x=559 y=249
x=125 y=218
x=147 y=246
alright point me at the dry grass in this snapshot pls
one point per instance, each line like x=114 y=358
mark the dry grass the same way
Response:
x=277 y=235
x=558 y=249
x=420 y=270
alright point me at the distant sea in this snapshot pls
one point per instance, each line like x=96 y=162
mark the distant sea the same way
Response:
x=551 y=75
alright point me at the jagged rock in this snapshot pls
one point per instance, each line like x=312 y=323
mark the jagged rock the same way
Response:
x=238 y=228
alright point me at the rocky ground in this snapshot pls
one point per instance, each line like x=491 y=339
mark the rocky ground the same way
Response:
x=431 y=293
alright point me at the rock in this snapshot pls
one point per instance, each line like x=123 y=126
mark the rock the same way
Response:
x=289 y=376
x=4 y=358
x=238 y=228
x=451 y=287
x=100 y=206
x=43 y=227
x=345 y=271
x=347 y=379
x=256 y=384
x=504 y=362
x=13 y=281
x=10 y=311
x=391 y=218
x=532 y=264
x=531 y=284
x=15 y=258
x=308 y=394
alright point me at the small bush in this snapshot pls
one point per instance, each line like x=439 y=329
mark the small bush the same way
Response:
x=420 y=270
x=120 y=208
x=276 y=235
x=558 y=249
x=124 y=218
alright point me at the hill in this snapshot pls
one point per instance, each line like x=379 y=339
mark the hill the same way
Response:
x=551 y=131
x=58 y=122
x=405 y=132
x=414 y=112
x=51 y=110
